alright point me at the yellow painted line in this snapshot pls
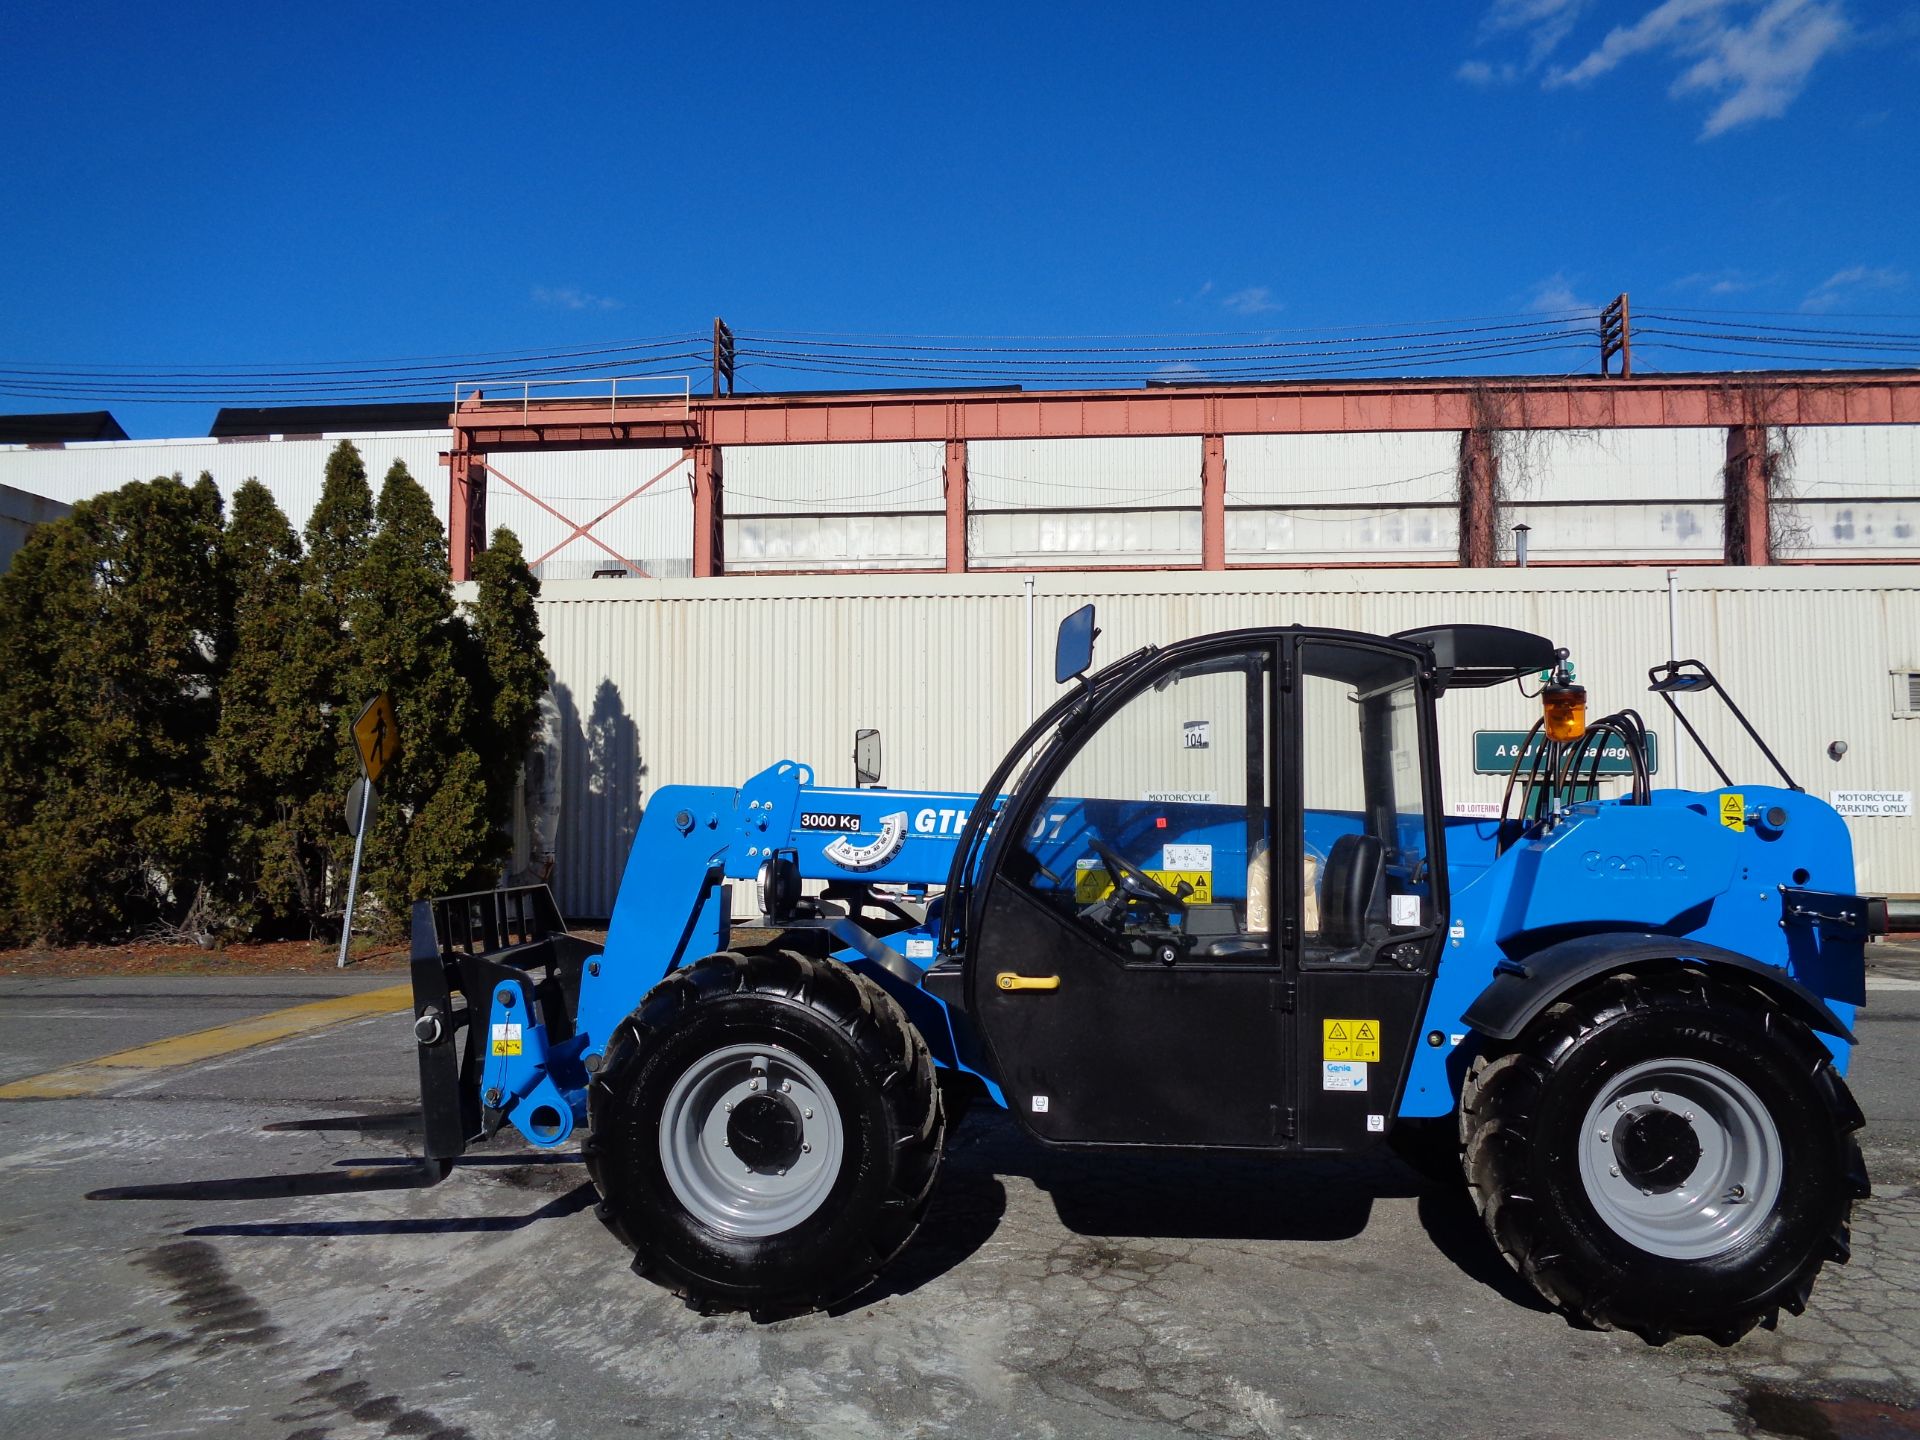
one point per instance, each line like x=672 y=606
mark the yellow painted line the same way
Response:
x=88 y=1077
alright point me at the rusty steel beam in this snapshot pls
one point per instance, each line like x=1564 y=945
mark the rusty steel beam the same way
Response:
x=1749 y=518
x=1213 y=502
x=1857 y=398
x=1479 y=504
x=1741 y=402
x=709 y=514
x=956 y=504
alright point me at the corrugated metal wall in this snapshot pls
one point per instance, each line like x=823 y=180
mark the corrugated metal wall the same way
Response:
x=709 y=682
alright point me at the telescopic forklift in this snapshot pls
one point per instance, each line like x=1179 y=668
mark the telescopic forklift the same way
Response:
x=1210 y=900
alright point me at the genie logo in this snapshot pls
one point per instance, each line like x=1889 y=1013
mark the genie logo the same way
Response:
x=1653 y=866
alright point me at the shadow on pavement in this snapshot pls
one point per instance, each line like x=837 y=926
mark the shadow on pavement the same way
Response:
x=572 y=1202
x=1116 y=1195
x=357 y=1180
x=406 y=1120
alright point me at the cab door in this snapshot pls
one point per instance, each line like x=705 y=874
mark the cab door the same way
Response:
x=1124 y=970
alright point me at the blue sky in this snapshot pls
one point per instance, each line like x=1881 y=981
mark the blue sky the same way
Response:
x=210 y=184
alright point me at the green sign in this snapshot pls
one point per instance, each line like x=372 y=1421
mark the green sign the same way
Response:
x=1494 y=752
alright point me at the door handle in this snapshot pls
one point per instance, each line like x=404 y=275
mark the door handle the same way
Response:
x=1007 y=980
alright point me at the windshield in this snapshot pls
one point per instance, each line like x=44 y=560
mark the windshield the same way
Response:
x=1066 y=712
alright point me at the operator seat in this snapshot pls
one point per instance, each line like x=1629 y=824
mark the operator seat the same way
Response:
x=1350 y=891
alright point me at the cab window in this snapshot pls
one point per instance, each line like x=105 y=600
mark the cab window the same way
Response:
x=1154 y=839
x=1365 y=881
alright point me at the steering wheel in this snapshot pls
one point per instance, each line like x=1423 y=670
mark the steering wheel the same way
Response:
x=1132 y=879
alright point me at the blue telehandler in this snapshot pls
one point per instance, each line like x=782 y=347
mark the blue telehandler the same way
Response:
x=1211 y=899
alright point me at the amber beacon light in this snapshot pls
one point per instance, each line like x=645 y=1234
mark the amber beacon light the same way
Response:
x=1564 y=704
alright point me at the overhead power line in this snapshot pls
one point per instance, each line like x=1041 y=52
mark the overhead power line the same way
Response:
x=1547 y=343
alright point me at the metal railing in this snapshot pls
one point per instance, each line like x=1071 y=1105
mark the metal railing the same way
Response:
x=471 y=393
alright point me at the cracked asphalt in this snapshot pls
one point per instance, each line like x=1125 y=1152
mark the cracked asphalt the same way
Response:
x=1047 y=1296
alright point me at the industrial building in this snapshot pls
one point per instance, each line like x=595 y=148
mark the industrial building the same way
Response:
x=736 y=578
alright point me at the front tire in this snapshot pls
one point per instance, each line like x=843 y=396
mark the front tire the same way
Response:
x=765 y=1132
x=1665 y=1153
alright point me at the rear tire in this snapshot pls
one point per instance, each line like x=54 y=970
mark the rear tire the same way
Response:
x=1665 y=1153
x=765 y=1132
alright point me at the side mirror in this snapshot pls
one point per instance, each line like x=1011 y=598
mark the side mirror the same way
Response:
x=866 y=758
x=1073 y=646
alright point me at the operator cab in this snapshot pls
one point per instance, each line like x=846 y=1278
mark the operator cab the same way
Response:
x=1209 y=848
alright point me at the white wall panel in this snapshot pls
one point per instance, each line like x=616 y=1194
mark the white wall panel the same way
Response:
x=653 y=530
x=835 y=542
x=1413 y=467
x=1618 y=532
x=1012 y=539
x=1676 y=463
x=1857 y=492
x=893 y=475
x=708 y=682
x=1330 y=537
x=1855 y=460
x=1083 y=474
x=293 y=470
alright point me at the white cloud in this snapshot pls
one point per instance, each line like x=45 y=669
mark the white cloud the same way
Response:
x=1556 y=293
x=1754 y=56
x=1479 y=72
x=1717 y=282
x=1547 y=23
x=1254 y=300
x=1852 y=284
x=571 y=297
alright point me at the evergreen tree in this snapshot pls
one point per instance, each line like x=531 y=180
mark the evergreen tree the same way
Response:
x=273 y=755
x=432 y=834
x=113 y=628
x=509 y=671
x=338 y=533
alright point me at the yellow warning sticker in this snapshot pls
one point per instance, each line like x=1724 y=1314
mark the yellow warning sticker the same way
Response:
x=506 y=1039
x=1091 y=883
x=1733 y=812
x=1350 y=1040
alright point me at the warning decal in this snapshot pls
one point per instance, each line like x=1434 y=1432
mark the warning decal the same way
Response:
x=1350 y=1040
x=1733 y=812
x=506 y=1039
x=1091 y=883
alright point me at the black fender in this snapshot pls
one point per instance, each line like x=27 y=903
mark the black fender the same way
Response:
x=1522 y=988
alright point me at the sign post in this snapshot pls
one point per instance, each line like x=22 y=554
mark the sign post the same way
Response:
x=376 y=735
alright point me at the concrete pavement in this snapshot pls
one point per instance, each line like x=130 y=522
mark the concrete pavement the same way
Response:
x=1049 y=1296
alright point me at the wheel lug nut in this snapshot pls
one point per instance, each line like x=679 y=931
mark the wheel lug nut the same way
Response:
x=1621 y=1106
x=786 y=1087
x=1656 y=1097
x=1613 y=1170
x=807 y=1114
x=729 y=1107
x=806 y=1149
x=1603 y=1136
x=753 y=1084
x=1689 y=1115
x=726 y=1144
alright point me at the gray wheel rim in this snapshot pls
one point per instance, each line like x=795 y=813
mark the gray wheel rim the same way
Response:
x=717 y=1186
x=1729 y=1191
